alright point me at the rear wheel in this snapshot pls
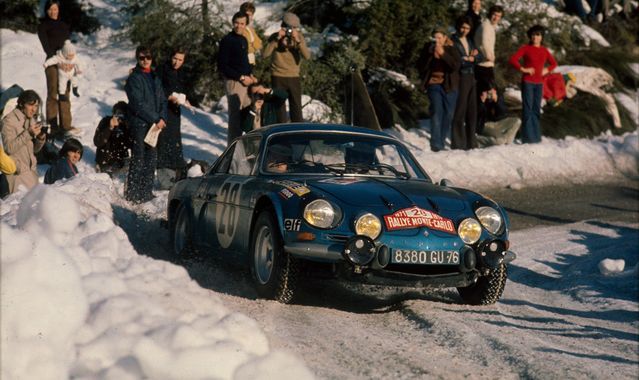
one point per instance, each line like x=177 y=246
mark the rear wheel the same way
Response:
x=181 y=234
x=274 y=271
x=487 y=290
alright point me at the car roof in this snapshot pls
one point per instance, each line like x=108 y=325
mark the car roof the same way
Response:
x=315 y=127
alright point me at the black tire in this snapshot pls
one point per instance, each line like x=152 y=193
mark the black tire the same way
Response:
x=273 y=270
x=181 y=234
x=487 y=290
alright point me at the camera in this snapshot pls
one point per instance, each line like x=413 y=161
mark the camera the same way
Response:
x=120 y=116
x=289 y=32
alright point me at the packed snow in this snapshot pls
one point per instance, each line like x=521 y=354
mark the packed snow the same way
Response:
x=78 y=300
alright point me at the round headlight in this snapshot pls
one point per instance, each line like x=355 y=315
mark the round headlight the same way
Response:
x=321 y=214
x=489 y=218
x=368 y=225
x=469 y=230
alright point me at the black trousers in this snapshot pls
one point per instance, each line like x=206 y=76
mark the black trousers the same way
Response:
x=139 y=184
x=293 y=86
x=465 y=119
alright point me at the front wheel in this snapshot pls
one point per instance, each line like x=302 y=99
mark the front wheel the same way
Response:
x=181 y=234
x=487 y=290
x=274 y=271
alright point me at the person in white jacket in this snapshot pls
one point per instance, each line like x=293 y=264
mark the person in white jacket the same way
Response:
x=485 y=42
x=69 y=69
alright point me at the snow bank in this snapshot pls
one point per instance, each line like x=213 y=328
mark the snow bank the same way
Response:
x=553 y=161
x=78 y=301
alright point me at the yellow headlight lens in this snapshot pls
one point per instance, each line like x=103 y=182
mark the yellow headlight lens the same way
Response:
x=368 y=225
x=469 y=230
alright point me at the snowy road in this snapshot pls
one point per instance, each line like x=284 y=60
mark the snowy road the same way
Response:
x=559 y=316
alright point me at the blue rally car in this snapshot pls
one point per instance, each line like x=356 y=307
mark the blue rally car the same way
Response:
x=301 y=199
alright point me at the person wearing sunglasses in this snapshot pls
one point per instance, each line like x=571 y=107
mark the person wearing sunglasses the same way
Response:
x=147 y=107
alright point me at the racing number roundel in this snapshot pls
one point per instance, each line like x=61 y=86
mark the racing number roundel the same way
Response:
x=227 y=212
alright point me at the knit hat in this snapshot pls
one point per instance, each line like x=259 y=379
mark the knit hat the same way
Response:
x=68 y=48
x=291 y=19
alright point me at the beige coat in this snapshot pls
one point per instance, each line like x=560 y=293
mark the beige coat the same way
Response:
x=20 y=145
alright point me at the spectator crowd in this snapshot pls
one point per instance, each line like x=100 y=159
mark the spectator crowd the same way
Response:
x=143 y=135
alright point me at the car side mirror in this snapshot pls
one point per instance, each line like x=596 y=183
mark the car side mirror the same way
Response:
x=446 y=182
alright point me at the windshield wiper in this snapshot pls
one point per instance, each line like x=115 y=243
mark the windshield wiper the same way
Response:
x=361 y=168
x=380 y=166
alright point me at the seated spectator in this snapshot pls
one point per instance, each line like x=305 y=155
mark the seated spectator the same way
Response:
x=493 y=125
x=113 y=140
x=264 y=108
x=70 y=155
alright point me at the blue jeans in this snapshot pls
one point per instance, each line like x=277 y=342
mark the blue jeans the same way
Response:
x=531 y=99
x=442 y=109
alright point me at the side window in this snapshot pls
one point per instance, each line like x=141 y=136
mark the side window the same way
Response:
x=225 y=162
x=244 y=155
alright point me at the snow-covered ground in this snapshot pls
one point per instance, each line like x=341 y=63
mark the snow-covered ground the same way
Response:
x=78 y=300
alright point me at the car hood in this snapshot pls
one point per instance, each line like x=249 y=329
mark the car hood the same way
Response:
x=390 y=193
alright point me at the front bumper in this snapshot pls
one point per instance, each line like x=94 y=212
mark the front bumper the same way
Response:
x=399 y=279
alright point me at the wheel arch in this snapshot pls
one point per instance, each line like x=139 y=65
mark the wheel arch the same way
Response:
x=267 y=203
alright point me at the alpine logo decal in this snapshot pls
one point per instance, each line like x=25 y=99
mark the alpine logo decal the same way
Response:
x=414 y=217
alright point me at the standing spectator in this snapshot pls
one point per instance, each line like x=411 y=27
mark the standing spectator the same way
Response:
x=112 y=140
x=7 y=166
x=609 y=5
x=65 y=167
x=174 y=83
x=485 y=38
x=147 y=107
x=22 y=138
x=474 y=12
x=52 y=33
x=465 y=119
x=265 y=104
x=576 y=7
x=288 y=47
x=441 y=81
x=66 y=56
x=234 y=66
x=254 y=41
x=535 y=57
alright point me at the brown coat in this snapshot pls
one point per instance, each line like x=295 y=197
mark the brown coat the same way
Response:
x=20 y=145
x=286 y=61
x=452 y=60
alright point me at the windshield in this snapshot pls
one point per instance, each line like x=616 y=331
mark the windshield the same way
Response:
x=338 y=154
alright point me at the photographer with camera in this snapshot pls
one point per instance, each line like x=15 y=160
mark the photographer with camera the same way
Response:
x=287 y=48
x=265 y=104
x=494 y=127
x=22 y=137
x=113 y=140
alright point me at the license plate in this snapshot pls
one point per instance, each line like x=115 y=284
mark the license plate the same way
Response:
x=406 y=256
